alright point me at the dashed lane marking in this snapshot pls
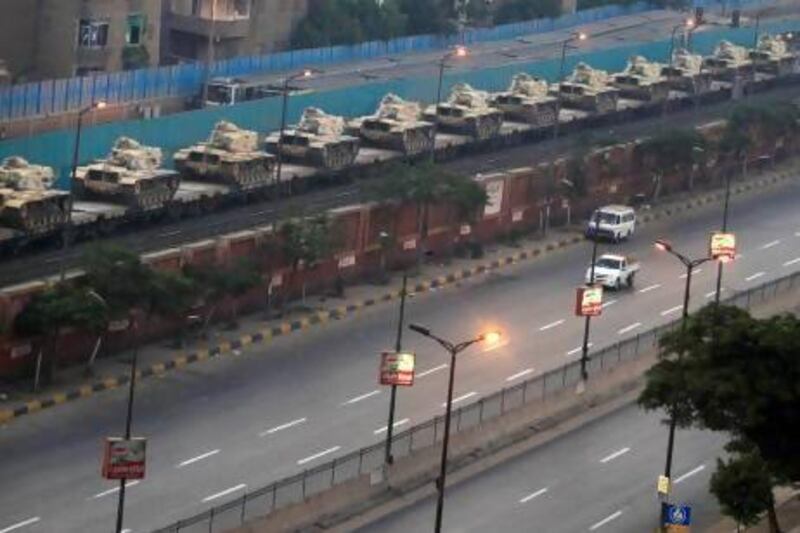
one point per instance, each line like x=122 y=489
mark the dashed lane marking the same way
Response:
x=287 y=425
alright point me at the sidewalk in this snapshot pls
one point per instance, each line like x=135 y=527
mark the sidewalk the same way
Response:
x=158 y=358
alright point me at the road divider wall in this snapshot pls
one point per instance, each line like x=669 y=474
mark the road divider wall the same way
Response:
x=331 y=492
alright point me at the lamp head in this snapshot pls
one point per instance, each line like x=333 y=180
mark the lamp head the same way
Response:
x=460 y=51
x=663 y=245
x=491 y=337
x=101 y=104
x=422 y=330
x=690 y=23
x=582 y=36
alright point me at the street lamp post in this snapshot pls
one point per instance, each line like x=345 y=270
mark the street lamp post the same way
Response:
x=128 y=418
x=458 y=51
x=577 y=36
x=210 y=53
x=690 y=265
x=688 y=24
x=397 y=346
x=453 y=350
x=588 y=321
x=724 y=229
x=284 y=103
x=67 y=229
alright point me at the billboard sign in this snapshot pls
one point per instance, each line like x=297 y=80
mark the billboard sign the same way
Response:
x=589 y=301
x=397 y=368
x=676 y=518
x=494 y=198
x=124 y=458
x=722 y=246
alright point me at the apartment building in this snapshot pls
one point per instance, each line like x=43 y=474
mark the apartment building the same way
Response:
x=220 y=29
x=42 y=39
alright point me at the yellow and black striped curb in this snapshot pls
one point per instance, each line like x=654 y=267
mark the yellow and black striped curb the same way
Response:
x=341 y=312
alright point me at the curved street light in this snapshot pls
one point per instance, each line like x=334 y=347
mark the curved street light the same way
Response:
x=577 y=36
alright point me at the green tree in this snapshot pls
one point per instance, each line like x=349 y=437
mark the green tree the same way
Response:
x=305 y=242
x=673 y=151
x=172 y=295
x=222 y=285
x=519 y=10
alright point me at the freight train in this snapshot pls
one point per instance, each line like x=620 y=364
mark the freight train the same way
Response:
x=130 y=186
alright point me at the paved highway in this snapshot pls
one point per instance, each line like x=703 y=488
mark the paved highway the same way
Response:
x=232 y=424
x=600 y=478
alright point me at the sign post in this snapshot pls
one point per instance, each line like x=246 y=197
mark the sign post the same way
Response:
x=589 y=301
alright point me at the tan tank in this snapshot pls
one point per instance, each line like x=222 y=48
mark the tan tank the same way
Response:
x=527 y=99
x=467 y=111
x=772 y=56
x=589 y=89
x=319 y=139
x=27 y=202
x=686 y=73
x=642 y=80
x=130 y=175
x=397 y=126
x=231 y=156
x=727 y=61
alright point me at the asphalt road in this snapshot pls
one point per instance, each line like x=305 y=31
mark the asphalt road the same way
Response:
x=236 y=423
x=600 y=477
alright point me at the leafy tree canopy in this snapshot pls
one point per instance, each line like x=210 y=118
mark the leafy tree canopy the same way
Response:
x=743 y=487
x=58 y=307
x=674 y=149
x=307 y=240
x=119 y=276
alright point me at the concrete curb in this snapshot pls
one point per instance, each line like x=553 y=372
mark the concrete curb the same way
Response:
x=322 y=317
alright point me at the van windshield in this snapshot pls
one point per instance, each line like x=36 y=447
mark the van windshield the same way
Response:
x=605 y=218
x=605 y=262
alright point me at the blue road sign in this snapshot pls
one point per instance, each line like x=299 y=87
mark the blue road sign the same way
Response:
x=676 y=515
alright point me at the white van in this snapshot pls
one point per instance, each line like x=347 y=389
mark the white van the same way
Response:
x=614 y=222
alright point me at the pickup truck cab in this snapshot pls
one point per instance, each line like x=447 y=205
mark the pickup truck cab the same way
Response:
x=613 y=222
x=614 y=271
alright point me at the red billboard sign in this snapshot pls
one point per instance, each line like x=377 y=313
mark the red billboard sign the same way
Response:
x=124 y=459
x=723 y=246
x=589 y=301
x=397 y=369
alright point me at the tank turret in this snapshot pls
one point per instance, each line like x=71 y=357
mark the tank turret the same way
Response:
x=319 y=139
x=772 y=56
x=727 y=61
x=527 y=99
x=642 y=80
x=27 y=202
x=467 y=111
x=231 y=156
x=129 y=175
x=397 y=126
x=686 y=73
x=589 y=89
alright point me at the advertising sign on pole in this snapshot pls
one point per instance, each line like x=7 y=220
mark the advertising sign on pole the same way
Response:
x=397 y=368
x=589 y=301
x=124 y=459
x=722 y=246
x=676 y=518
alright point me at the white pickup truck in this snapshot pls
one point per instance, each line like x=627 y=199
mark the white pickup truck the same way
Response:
x=613 y=271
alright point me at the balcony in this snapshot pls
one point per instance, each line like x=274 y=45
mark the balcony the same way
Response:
x=234 y=27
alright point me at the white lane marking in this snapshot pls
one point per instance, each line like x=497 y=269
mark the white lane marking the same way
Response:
x=714 y=292
x=771 y=244
x=519 y=374
x=200 y=457
x=609 y=303
x=605 y=520
x=18 y=525
x=650 y=288
x=626 y=329
x=671 y=310
x=754 y=276
x=431 y=370
x=224 y=492
x=614 y=455
x=287 y=425
x=690 y=473
x=462 y=398
x=115 y=489
x=694 y=272
x=318 y=455
x=399 y=423
x=792 y=261
x=531 y=496
x=362 y=397
x=551 y=325
x=579 y=349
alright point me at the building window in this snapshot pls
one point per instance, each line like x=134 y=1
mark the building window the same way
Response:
x=135 y=32
x=92 y=33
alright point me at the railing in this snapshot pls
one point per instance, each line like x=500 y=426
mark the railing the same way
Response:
x=297 y=488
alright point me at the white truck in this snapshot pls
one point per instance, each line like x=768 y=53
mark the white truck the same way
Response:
x=613 y=271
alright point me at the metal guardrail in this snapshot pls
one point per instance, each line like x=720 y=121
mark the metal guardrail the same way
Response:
x=297 y=488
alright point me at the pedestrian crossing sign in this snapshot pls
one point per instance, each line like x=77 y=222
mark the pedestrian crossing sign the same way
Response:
x=676 y=518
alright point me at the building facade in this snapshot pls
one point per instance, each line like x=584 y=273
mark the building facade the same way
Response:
x=42 y=39
x=200 y=30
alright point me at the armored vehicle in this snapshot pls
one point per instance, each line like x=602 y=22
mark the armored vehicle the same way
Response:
x=130 y=175
x=686 y=73
x=528 y=100
x=589 y=89
x=27 y=202
x=231 y=157
x=319 y=140
x=772 y=56
x=642 y=80
x=728 y=61
x=397 y=126
x=468 y=112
